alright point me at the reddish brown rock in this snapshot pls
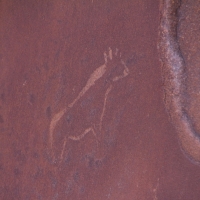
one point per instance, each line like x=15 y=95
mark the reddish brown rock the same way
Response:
x=49 y=53
x=179 y=44
x=189 y=42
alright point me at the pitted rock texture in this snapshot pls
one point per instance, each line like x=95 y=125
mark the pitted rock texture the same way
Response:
x=111 y=135
x=179 y=45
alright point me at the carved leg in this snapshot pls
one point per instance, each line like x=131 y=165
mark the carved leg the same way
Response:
x=125 y=72
x=63 y=149
x=79 y=137
x=104 y=106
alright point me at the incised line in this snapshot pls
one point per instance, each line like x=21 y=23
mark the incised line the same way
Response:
x=97 y=74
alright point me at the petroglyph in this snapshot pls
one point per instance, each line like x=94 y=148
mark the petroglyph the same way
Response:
x=104 y=106
x=125 y=72
x=94 y=77
x=54 y=122
x=76 y=138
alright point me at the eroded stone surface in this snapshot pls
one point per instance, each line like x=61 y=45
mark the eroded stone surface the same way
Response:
x=189 y=41
x=179 y=45
x=49 y=51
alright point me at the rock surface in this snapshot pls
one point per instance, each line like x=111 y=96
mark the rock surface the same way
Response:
x=82 y=114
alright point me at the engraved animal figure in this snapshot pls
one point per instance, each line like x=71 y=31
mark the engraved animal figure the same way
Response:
x=94 y=77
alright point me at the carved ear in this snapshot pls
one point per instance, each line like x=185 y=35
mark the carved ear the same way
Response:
x=108 y=55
